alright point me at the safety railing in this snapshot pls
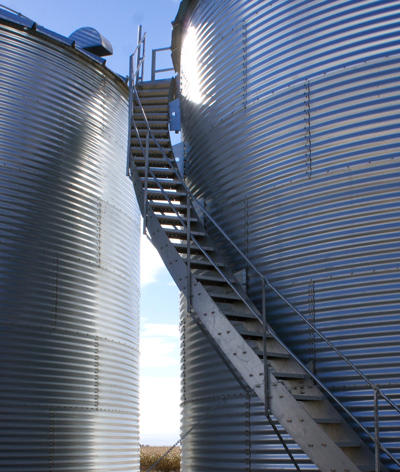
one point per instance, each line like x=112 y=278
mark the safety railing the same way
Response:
x=154 y=70
x=264 y=282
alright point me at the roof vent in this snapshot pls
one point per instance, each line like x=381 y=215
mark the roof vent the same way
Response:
x=92 y=41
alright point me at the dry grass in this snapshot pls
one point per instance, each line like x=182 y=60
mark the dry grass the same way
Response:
x=150 y=454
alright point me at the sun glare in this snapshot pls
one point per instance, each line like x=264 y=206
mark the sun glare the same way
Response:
x=190 y=78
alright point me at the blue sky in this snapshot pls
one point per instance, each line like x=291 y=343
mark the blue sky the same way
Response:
x=118 y=20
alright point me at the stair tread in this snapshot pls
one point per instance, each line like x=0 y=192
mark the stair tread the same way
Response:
x=158 y=206
x=154 y=84
x=152 y=123
x=203 y=263
x=173 y=219
x=183 y=247
x=151 y=107
x=275 y=354
x=239 y=316
x=154 y=99
x=210 y=278
x=157 y=172
x=153 y=152
x=153 y=161
x=181 y=233
x=328 y=420
x=289 y=375
x=226 y=296
x=348 y=443
x=308 y=397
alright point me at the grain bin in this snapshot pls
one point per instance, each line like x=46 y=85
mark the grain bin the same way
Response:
x=69 y=250
x=291 y=125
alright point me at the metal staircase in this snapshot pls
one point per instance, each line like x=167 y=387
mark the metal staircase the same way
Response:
x=217 y=301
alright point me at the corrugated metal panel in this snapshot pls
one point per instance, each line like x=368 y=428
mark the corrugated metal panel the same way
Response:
x=69 y=279
x=300 y=166
x=231 y=431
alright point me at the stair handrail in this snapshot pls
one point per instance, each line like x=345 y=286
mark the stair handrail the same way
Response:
x=376 y=389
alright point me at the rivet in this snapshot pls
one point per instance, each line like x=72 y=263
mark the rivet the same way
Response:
x=244 y=352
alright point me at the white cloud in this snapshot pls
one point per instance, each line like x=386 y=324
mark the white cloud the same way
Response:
x=159 y=409
x=150 y=262
x=159 y=345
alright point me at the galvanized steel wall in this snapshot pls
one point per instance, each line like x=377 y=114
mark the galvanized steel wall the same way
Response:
x=69 y=251
x=294 y=146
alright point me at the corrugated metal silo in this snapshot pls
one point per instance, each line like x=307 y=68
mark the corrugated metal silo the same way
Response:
x=69 y=250
x=291 y=124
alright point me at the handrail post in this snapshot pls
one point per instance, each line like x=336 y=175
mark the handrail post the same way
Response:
x=139 y=40
x=376 y=425
x=188 y=240
x=153 y=64
x=146 y=179
x=143 y=56
x=130 y=113
x=264 y=321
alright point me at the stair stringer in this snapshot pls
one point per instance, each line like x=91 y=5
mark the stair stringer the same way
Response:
x=291 y=414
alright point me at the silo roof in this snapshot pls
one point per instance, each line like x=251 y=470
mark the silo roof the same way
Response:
x=17 y=20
